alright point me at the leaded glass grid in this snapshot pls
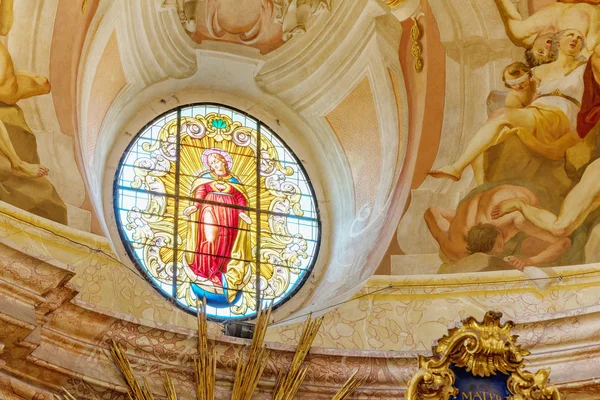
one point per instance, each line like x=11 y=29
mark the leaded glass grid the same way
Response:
x=209 y=201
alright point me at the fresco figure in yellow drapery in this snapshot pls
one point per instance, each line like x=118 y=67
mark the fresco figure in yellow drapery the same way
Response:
x=548 y=125
x=14 y=86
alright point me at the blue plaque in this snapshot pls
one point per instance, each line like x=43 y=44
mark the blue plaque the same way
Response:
x=479 y=388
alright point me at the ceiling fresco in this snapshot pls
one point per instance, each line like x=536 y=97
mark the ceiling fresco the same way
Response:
x=395 y=166
x=515 y=188
x=263 y=24
x=457 y=141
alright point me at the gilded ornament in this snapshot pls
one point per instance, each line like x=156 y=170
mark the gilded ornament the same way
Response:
x=524 y=385
x=415 y=31
x=482 y=348
x=433 y=381
x=416 y=49
x=419 y=65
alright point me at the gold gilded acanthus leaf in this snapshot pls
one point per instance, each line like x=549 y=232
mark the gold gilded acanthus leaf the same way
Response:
x=482 y=348
x=433 y=381
x=525 y=386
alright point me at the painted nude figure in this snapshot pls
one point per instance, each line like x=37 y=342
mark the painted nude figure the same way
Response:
x=579 y=203
x=535 y=32
x=471 y=229
x=14 y=86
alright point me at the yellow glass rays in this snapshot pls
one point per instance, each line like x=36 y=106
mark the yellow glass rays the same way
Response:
x=211 y=203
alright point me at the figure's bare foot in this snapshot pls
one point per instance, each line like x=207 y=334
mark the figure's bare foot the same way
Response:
x=507 y=206
x=30 y=170
x=446 y=172
x=216 y=280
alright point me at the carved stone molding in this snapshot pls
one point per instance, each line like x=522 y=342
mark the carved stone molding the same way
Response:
x=152 y=46
x=43 y=351
x=314 y=74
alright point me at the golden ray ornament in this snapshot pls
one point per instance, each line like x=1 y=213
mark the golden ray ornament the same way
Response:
x=349 y=387
x=205 y=366
x=288 y=383
x=251 y=366
x=66 y=395
x=169 y=388
x=137 y=392
x=483 y=349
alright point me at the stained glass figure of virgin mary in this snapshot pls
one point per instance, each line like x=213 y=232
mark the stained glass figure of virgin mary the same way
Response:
x=221 y=231
x=212 y=205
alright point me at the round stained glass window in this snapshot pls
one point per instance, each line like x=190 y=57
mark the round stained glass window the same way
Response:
x=212 y=204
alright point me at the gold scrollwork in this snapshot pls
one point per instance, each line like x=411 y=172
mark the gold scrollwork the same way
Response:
x=482 y=348
x=416 y=49
x=433 y=381
x=524 y=386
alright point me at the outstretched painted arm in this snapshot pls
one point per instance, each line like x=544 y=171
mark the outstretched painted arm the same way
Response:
x=556 y=245
x=522 y=32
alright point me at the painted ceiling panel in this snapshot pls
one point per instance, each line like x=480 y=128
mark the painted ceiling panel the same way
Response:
x=355 y=123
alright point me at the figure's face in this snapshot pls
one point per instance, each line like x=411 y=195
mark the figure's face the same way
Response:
x=571 y=42
x=524 y=83
x=542 y=49
x=217 y=164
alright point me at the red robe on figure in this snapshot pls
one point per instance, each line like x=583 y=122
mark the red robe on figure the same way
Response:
x=217 y=225
x=589 y=115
